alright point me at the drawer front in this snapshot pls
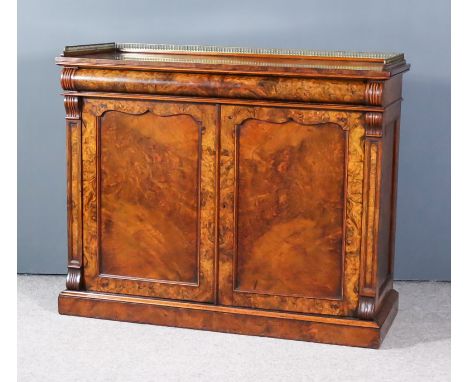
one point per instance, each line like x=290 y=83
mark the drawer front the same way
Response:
x=290 y=209
x=148 y=198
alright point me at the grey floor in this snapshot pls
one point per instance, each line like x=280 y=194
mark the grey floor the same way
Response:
x=59 y=348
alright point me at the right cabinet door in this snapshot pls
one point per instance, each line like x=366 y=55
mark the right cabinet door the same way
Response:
x=290 y=209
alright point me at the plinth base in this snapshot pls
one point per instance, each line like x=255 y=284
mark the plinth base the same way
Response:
x=293 y=326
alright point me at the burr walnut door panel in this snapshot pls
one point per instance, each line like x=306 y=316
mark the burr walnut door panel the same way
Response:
x=289 y=221
x=148 y=198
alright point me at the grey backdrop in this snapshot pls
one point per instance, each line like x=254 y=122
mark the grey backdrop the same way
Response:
x=419 y=28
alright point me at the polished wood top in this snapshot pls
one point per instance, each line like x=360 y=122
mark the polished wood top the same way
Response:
x=237 y=60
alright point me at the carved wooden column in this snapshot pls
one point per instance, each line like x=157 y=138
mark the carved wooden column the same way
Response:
x=74 y=202
x=370 y=216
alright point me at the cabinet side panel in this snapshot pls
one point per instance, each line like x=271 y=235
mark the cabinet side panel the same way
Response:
x=386 y=204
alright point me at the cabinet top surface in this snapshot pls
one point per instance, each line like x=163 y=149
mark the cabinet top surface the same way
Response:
x=233 y=59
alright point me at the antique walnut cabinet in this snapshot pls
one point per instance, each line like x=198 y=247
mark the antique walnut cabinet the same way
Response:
x=246 y=191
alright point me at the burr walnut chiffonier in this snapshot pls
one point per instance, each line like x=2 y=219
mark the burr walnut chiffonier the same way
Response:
x=239 y=190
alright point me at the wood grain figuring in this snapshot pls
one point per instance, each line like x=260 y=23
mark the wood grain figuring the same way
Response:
x=290 y=208
x=328 y=298
x=141 y=236
x=331 y=330
x=370 y=218
x=372 y=209
x=368 y=283
x=249 y=192
x=233 y=101
x=149 y=196
x=213 y=85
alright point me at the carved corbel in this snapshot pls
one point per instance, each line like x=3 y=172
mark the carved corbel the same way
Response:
x=72 y=107
x=374 y=93
x=374 y=124
x=74 y=191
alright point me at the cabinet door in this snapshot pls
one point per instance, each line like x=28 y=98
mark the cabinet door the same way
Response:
x=290 y=209
x=148 y=198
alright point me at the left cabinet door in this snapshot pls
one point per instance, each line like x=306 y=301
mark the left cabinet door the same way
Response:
x=148 y=197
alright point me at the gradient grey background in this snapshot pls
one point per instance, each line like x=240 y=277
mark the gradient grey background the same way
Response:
x=419 y=28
